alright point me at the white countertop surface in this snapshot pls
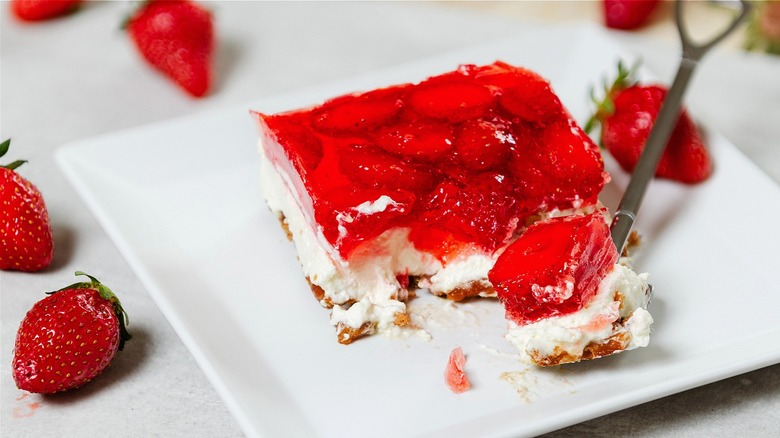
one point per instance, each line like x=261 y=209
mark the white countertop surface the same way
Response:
x=79 y=76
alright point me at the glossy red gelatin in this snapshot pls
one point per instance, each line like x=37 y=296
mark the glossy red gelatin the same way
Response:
x=466 y=157
x=554 y=267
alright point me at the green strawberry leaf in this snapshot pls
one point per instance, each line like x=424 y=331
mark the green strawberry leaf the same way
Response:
x=4 y=146
x=603 y=104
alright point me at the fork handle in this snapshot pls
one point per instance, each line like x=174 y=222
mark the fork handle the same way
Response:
x=648 y=162
x=664 y=125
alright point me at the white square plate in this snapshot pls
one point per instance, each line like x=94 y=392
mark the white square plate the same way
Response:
x=181 y=199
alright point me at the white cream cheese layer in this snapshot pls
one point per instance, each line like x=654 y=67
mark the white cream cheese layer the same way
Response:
x=461 y=272
x=365 y=289
x=594 y=323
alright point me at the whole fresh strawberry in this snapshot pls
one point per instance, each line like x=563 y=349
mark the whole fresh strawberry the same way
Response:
x=25 y=233
x=68 y=338
x=176 y=38
x=628 y=14
x=627 y=115
x=37 y=10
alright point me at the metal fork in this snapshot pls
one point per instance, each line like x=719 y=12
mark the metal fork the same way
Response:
x=692 y=53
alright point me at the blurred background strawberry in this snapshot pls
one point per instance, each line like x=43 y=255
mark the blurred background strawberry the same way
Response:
x=177 y=39
x=628 y=14
x=37 y=10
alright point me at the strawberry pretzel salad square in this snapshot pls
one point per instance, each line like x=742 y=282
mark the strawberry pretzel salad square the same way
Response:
x=473 y=184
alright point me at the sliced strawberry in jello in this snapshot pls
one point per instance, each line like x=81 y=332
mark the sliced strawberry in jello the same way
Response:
x=369 y=166
x=554 y=268
x=483 y=145
x=474 y=153
x=351 y=217
x=559 y=165
x=426 y=141
x=482 y=212
x=356 y=114
x=450 y=98
x=522 y=93
x=440 y=243
x=532 y=100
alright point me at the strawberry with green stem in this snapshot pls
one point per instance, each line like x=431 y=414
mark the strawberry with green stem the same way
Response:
x=69 y=337
x=25 y=234
x=626 y=115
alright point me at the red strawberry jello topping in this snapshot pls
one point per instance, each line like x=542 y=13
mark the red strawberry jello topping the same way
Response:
x=463 y=159
x=554 y=267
